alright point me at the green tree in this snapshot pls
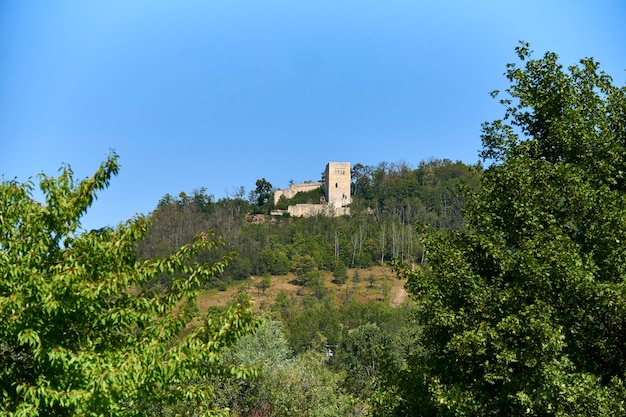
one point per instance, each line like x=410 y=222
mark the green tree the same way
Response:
x=267 y=347
x=273 y=261
x=264 y=283
x=79 y=336
x=304 y=268
x=283 y=305
x=286 y=385
x=525 y=313
x=361 y=180
x=340 y=272
x=263 y=193
x=314 y=327
x=368 y=354
x=240 y=268
x=306 y=387
x=269 y=350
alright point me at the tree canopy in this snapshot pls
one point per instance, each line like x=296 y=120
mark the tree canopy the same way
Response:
x=525 y=312
x=79 y=335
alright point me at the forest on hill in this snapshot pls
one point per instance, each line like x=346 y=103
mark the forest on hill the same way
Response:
x=391 y=203
x=350 y=350
x=515 y=273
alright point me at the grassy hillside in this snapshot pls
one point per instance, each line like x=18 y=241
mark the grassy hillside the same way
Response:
x=385 y=287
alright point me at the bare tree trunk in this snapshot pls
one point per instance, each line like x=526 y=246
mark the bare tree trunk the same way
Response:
x=395 y=250
x=361 y=232
x=382 y=243
x=402 y=239
x=409 y=243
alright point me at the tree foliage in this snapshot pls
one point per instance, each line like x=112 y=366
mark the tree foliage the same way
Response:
x=431 y=194
x=79 y=335
x=389 y=201
x=369 y=355
x=306 y=387
x=525 y=313
x=287 y=384
x=263 y=194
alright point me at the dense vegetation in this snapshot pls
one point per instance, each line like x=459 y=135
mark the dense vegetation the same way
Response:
x=79 y=336
x=392 y=202
x=516 y=272
x=525 y=313
x=98 y=322
x=392 y=205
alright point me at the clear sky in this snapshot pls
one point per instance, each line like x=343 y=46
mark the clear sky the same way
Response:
x=221 y=93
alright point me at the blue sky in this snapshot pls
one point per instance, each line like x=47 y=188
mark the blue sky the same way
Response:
x=219 y=94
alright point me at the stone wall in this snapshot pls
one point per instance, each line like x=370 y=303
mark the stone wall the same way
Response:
x=336 y=190
x=310 y=210
x=295 y=189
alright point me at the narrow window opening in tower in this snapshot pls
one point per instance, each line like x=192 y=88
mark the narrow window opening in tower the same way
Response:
x=336 y=185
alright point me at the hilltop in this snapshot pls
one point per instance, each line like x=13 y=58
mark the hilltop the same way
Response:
x=390 y=205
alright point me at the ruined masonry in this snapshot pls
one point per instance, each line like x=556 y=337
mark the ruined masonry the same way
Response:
x=336 y=191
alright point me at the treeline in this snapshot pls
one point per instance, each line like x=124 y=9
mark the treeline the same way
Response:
x=391 y=203
x=431 y=194
x=319 y=358
x=320 y=354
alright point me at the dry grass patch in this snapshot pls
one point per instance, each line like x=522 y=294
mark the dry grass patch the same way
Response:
x=385 y=286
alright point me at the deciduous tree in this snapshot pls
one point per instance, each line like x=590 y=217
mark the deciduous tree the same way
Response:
x=525 y=313
x=79 y=336
x=263 y=193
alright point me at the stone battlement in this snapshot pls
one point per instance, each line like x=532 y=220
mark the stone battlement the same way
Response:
x=295 y=189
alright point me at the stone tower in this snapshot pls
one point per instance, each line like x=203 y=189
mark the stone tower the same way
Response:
x=337 y=184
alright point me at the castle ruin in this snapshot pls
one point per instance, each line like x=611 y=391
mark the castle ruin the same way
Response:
x=336 y=186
